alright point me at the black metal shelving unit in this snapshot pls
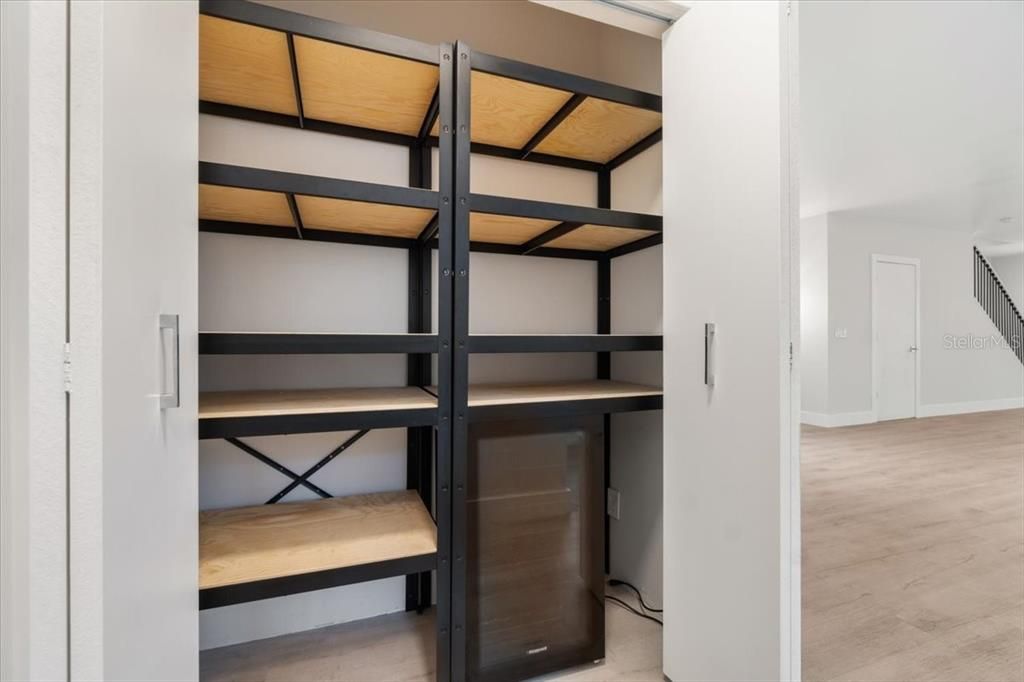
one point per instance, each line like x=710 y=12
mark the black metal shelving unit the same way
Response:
x=436 y=409
x=251 y=54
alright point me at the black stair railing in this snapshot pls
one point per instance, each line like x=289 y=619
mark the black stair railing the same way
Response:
x=991 y=294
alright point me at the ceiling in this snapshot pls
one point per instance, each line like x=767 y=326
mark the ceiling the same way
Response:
x=914 y=111
x=649 y=17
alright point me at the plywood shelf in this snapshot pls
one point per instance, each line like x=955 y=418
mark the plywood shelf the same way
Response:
x=255 y=60
x=553 y=399
x=256 y=550
x=249 y=66
x=482 y=395
x=509 y=113
x=520 y=222
x=226 y=414
x=262 y=198
x=599 y=130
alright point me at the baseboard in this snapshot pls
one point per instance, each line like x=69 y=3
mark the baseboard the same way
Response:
x=935 y=410
x=839 y=419
x=815 y=419
x=941 y=409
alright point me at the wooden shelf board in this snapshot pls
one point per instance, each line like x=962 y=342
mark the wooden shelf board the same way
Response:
x=507 y=112
x=238 y=205
x=502 y=229
x=357 y=87
x=259 y=207
x=244 y=65
x=362 y=217
x=238 y=404
x=598 y=238
x=249 y=66
x=517 y=231
x=513 y=394
x=599 y=130
x=250 y=544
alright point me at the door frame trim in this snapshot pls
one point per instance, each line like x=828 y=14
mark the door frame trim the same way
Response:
x=876 y=260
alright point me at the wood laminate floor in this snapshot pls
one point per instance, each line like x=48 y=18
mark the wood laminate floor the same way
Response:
x=913 y=550
x=399 y=647
x=913 y=571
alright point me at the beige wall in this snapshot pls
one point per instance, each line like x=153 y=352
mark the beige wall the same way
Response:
x=516 y=29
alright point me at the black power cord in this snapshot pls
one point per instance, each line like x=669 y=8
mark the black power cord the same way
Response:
x=631 y=609
x=615 y=583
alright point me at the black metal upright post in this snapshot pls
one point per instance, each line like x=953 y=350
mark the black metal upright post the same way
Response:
x=604 y=360
x=460 y=357
x=419 y=440
x=445 y=302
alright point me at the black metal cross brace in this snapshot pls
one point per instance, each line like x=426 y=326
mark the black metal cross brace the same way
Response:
x=298 y=479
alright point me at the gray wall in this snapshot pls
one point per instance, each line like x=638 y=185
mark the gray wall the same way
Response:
x=952 y=379
x=814 y=325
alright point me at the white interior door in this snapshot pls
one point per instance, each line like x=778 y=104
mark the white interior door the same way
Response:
x=133 y=207
x=731 y=516
x=895 y=337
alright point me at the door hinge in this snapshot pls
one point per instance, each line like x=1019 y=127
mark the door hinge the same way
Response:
x=67 y=368
x=791 y=355
x=789 y=7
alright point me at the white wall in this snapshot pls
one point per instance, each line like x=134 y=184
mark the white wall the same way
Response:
x=1010 y=270
x=33 y=568
x=636 y=462
x=952 y=379
x=814 y=319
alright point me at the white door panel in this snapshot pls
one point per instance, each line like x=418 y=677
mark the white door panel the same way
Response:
x=895 y=338
x=731 y=505
x=134 y=157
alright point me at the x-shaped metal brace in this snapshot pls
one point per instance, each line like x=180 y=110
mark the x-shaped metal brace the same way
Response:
x=298 y=479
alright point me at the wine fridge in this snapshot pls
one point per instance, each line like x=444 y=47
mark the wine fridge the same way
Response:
x=535 y=546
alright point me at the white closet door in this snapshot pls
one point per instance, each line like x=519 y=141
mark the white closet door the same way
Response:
x=133 y=469
x=731 y=465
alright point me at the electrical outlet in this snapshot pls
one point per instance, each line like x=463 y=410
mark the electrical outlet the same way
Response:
x=614 y=502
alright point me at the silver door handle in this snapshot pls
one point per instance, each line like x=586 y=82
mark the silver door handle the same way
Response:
x=709 y=353
x=170 y=366
x=913 y=349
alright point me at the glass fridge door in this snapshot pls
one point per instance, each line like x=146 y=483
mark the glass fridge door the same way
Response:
x=535 y=579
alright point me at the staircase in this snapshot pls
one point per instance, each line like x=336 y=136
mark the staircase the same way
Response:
x=992 y=296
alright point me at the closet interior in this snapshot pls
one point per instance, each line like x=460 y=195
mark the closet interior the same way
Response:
x=497 y=526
